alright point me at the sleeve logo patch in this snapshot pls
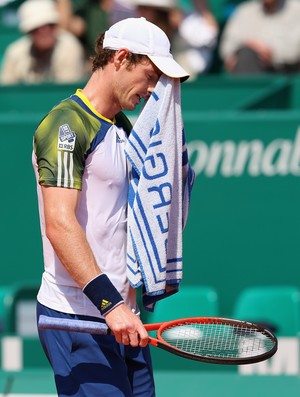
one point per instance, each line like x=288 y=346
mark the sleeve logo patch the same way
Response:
x=66 y=138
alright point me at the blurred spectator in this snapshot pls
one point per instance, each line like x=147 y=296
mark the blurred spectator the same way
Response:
x=193 y=36
x=86 y=18
x=45 y=53
x=262 y=36
x=68 y=20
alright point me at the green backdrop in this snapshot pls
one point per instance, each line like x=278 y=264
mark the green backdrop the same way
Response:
x=244 y=217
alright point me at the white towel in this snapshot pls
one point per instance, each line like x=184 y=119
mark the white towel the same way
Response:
x=159 y=194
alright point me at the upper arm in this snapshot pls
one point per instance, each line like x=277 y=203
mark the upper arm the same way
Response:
x=59 y=205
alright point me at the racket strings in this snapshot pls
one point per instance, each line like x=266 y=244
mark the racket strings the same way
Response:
x=218 y=340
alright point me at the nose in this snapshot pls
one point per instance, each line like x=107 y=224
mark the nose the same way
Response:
x=152 y=83
x=150 y=89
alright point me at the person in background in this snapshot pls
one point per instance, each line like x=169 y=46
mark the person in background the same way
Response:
x=193 y=35
x=68 y=20
x=262 y=36
x=85 y=18
x=45 y=53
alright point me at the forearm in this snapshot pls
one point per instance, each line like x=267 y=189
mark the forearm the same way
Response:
x=66 y=234
x=72 y=249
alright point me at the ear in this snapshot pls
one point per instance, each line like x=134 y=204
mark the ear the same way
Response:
x=121 y=57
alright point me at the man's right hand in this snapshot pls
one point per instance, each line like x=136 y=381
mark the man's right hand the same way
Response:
x=127 y=326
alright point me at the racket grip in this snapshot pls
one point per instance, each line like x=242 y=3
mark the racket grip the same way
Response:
x=64 y=324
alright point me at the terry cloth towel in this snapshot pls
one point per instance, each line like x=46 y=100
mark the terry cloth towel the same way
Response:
x=159 y=194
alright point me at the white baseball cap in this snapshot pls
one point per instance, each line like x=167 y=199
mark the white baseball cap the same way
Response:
x=140 y=36
x=36 y=13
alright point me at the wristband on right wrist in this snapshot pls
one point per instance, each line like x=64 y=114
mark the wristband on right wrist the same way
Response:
x=103 y=294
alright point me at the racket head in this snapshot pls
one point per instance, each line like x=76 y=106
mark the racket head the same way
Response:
x=217 y=340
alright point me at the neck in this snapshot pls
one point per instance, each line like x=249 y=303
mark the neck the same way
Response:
x=98 y=91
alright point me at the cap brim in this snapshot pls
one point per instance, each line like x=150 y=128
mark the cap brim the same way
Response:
x=169 y=67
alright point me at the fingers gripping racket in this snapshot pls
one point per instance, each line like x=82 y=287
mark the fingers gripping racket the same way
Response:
x=207 y=339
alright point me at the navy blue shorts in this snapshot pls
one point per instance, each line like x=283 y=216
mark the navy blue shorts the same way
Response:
x=87 y=365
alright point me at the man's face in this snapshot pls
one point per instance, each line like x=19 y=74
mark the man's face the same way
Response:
x=135 y=83
x=44 y=37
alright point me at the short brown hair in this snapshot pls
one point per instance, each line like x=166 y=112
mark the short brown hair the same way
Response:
x=103 y=55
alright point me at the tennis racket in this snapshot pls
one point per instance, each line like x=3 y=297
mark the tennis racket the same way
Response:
x=207 y=339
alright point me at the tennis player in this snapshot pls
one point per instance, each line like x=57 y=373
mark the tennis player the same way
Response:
x=82 y=185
